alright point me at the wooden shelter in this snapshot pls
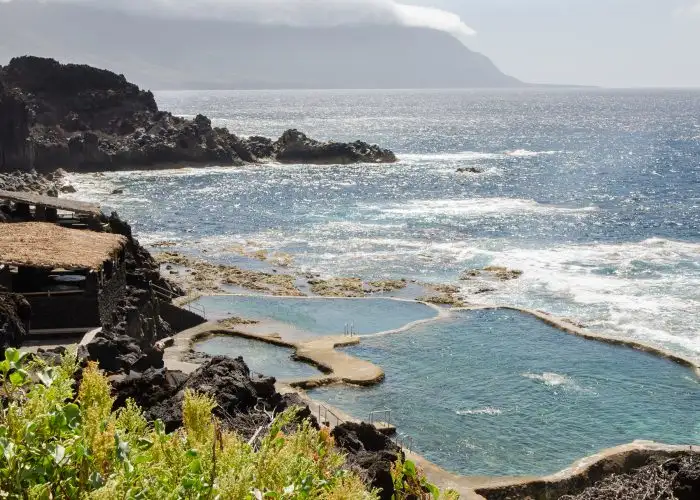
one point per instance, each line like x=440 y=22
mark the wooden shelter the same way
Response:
x=65 y=274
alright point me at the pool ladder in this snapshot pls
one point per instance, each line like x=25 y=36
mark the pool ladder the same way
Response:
x=349 y=330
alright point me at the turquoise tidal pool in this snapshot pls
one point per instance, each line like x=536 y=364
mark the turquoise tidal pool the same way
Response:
x=320 y=316
x=501 y=393
x=260 y=357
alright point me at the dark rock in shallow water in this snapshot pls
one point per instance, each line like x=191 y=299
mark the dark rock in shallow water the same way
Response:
x=86 y=119
x=296 y=147
x=371 y=452
x=470 y=170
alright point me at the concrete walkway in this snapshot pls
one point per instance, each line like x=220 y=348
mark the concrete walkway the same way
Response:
x=338 y=366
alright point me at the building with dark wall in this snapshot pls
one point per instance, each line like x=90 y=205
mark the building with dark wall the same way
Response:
x=71 y=278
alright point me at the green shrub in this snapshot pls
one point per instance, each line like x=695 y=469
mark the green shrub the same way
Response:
x=55 y=444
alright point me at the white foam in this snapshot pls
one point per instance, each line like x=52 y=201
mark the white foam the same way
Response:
x=480 y=411
x=524 y=153
x=467 y=156
x=449 y=157
x=636 y=289
x=477 y=207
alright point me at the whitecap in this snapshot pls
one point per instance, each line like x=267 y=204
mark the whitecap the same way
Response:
x=480 y=411
x=477 y=207
x=449 y=157
x=524 y=153
x=550 y=379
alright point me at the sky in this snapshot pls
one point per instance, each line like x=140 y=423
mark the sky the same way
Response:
x=609 y=43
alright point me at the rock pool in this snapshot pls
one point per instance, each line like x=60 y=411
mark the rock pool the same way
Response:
x=260 y=357
x=320 y=316
x=501 y=393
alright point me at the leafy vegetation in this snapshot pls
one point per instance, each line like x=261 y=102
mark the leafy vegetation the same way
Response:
x=411 y=483
x=58 y=444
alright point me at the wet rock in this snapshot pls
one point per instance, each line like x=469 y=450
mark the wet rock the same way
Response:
x=492 y=272
x=296 y=147
x=470 y=170
x=370 y=452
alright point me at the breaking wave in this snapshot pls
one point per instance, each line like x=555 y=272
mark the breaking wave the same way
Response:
x=480 y=411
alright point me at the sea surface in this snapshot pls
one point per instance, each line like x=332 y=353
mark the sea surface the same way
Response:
x=500 y=393
x=593 y=194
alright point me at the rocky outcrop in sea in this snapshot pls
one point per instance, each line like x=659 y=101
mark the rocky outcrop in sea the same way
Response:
x=86 y=119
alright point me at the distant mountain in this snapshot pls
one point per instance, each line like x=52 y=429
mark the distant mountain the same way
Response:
x=199 y=54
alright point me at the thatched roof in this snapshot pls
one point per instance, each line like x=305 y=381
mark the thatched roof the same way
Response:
x=78 y=207
x=48 y=246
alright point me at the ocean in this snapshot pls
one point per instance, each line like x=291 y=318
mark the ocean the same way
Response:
x=593 y=194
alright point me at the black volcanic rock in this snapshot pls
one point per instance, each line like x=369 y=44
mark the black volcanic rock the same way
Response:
x=15 y=312
x=87 y=119
x=296 y=147
x=14 y=130
x=371 y=452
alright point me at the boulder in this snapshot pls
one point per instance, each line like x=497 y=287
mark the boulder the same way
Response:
x=470 y=170
x=370 y=452
x=296 y=147
x=230 y=382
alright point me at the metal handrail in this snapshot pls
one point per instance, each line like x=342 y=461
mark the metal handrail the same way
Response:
x=166 y=294
x=386 y=412
x=51 y=294
x=326 y=411
x=403 y=441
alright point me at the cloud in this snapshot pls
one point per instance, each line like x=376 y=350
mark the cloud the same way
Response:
x=691 y=9
x=294 y=12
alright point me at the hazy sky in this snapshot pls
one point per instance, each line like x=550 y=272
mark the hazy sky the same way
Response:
x=619 y=43
x=613 y=43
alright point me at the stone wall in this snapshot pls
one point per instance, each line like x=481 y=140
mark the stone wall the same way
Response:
x=178 y=318
x=111 y=294
x=14 y=319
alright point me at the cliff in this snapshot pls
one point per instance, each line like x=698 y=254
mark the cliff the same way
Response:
x=82 y=118
x=200 y=54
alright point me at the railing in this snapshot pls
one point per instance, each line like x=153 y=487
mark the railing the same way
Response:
x=349 y=330
x=325 y=412
x=403 y=441
x=167 y=295
x=49 y=293
x=381 y=417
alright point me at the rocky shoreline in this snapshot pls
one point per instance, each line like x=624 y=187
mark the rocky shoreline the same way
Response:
x=84 y=119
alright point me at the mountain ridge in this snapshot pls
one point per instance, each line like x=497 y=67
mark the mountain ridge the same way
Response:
x=177 y=54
